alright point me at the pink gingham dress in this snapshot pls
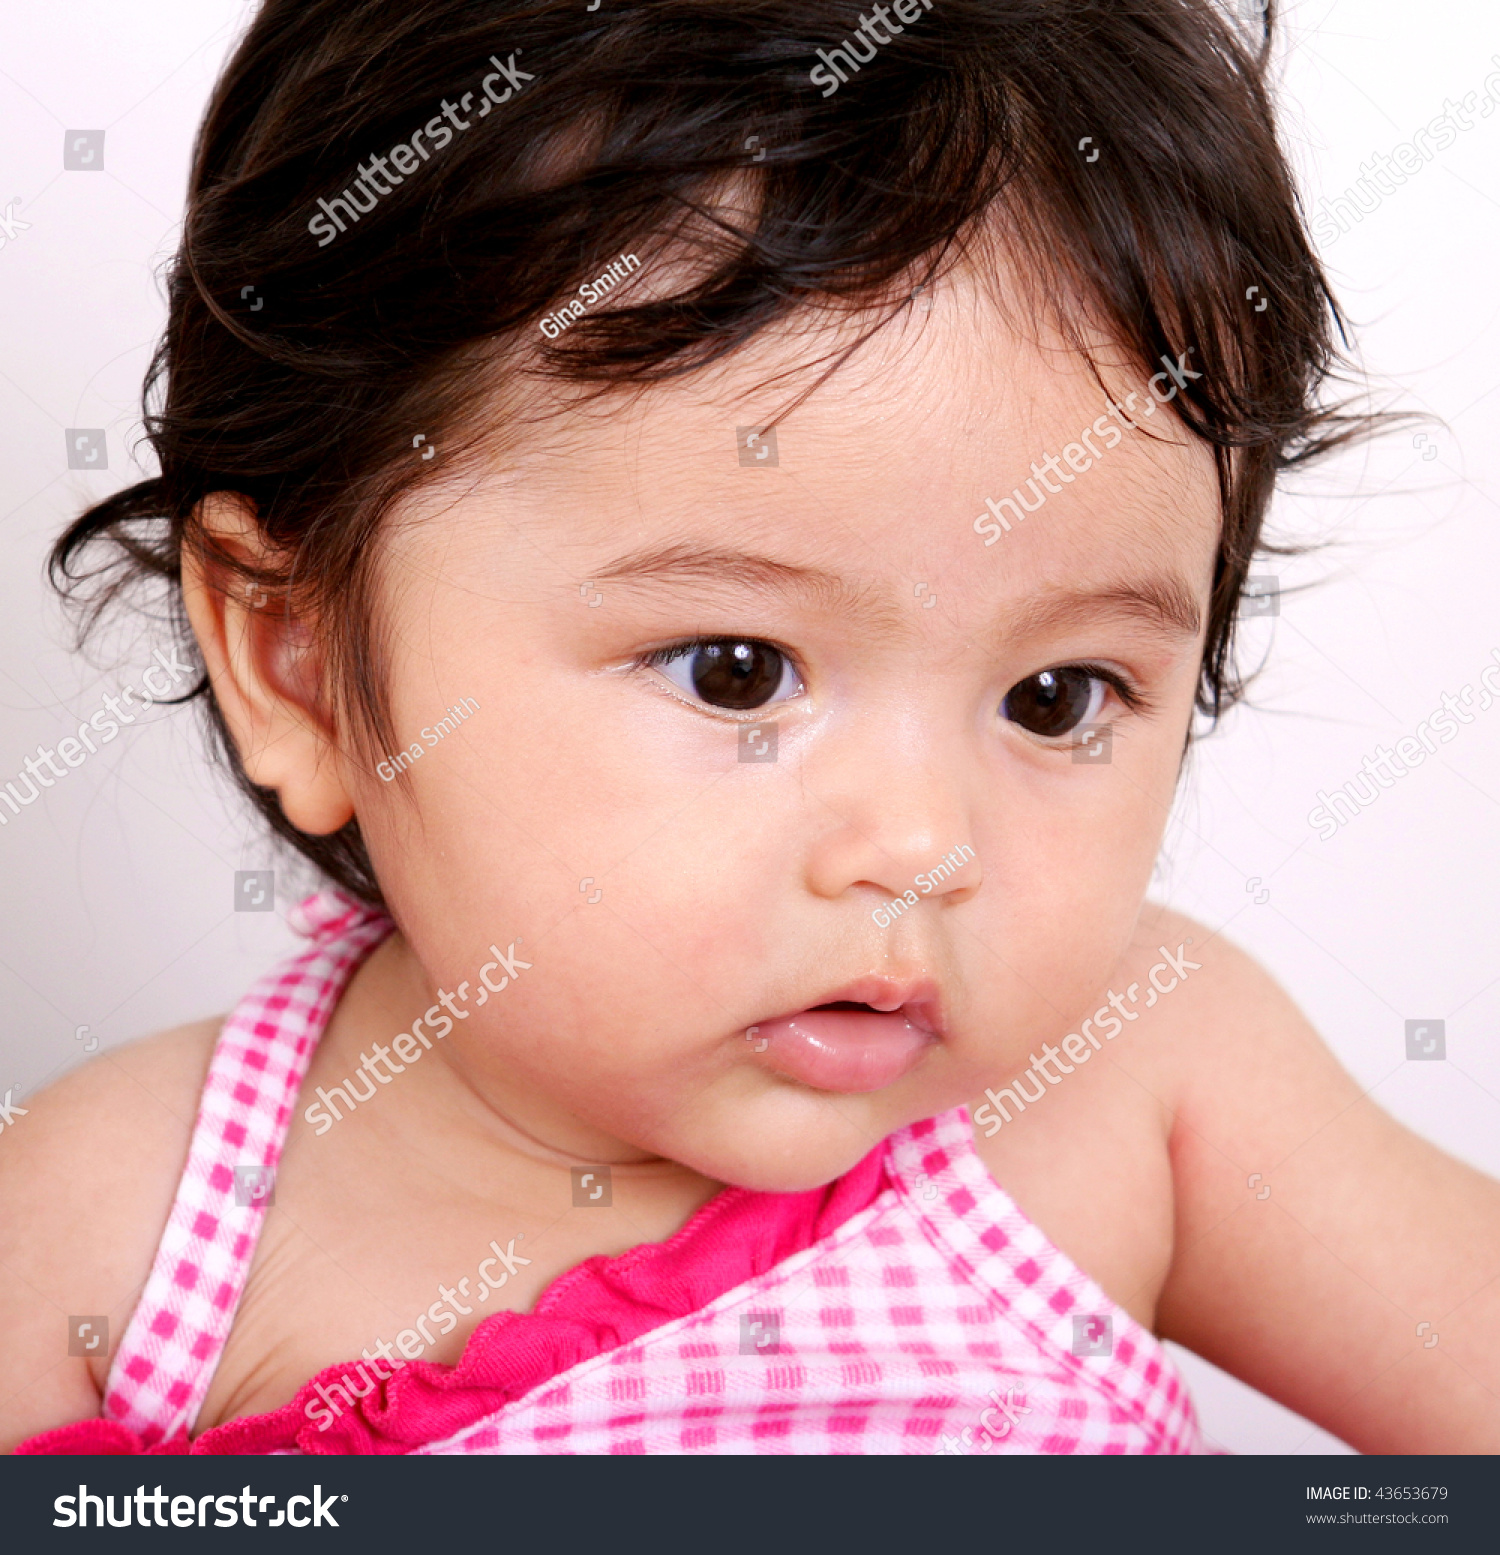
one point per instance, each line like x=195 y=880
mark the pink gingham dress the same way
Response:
x=917 y=1311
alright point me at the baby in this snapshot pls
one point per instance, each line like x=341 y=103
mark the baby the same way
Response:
x=717 y=575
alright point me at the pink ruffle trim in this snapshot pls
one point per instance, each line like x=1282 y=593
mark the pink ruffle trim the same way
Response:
x=597 y=1306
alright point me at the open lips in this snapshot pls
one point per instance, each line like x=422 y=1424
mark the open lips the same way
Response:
x=864 y=1039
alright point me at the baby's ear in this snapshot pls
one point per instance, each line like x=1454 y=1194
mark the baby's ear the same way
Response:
x=265 y=667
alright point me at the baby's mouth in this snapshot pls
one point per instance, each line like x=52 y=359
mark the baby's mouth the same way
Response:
x=850 y=1045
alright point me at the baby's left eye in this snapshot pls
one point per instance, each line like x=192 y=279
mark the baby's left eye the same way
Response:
x=738 y=674
x=1054 y=703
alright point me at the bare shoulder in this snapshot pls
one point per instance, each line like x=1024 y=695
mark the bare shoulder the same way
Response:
x=87 y=1177
x=1211 y=1013
x=1095 y=1167
x=1248 y=1076
x=1323 y=1252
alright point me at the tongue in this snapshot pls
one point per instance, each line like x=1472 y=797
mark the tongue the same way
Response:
x=849 y=1050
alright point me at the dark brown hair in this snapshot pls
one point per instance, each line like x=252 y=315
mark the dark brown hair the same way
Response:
x=294 y=370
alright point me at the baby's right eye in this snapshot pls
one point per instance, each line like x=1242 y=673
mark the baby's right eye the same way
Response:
x=737 y=674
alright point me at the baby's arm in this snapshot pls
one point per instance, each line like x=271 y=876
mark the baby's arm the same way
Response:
x=86 y=1183
x=1317 y=1292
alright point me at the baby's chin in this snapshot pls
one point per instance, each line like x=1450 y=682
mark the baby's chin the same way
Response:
x=792 y=1145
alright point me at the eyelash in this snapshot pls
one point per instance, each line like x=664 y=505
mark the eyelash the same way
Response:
x=1130 y=694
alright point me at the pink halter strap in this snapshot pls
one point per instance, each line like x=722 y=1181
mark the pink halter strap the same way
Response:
x=166 y=1361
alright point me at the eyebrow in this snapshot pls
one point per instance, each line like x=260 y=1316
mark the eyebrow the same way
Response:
x=761 y=574
x=1164 y=602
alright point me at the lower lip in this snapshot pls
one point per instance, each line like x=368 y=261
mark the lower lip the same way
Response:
x=851 y=1051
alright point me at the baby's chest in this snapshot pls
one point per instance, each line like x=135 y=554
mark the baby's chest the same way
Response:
x=400 y=1274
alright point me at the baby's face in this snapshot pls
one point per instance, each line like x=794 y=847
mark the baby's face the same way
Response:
x=696 y=843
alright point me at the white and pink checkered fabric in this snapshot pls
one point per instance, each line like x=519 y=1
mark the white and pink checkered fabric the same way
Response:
x=940 y=1319
x=166 y=1360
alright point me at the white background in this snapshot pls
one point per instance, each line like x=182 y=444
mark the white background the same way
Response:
x=116 y=887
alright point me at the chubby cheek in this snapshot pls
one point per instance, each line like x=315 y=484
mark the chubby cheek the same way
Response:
x=634 y=890
x=1063 y=890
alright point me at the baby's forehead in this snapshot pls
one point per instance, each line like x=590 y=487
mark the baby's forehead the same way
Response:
x=943 y=409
